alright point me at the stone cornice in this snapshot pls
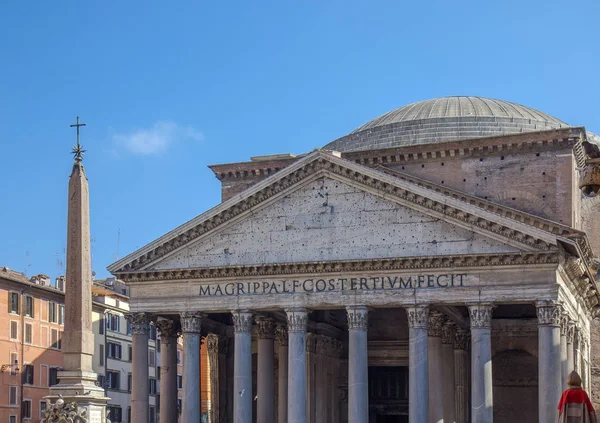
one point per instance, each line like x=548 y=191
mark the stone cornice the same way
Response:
x=526 y=234
x=348 y=266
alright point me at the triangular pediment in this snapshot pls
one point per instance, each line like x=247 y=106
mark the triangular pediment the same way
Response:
x=323 y=208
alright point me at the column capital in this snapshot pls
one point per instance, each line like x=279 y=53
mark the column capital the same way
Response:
x=549 y=313
x=242 y=320
x=436 y=320
x=481 y=315
x=265 y=327
x=167 y=329
x=191 y=321
x=297 y=319
x=281 y=334
x=448 y=332
x=461 y=339
x=140 y=322
x=418 y=316
x=358 y=317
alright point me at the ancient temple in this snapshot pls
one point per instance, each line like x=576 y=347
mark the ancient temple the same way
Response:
x=434 y=265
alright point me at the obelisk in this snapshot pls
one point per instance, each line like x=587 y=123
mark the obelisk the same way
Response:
x=77 y=388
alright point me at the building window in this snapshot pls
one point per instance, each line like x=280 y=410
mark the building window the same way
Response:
x=12 y=419
x=14 y=329
x=158 y=345
x=53 y=376
x=28 y=374
x=101 y=355
x=43 y=405
x=51 y=311
x=54 y=343
x=158 y=372
x=152 y=333
x=152 y=387
x=15 y=361
x=29 y=306
x=113 y=379
x=129 y=328
x=129 y=352
x=128 y=414
x=101 y=324
x=61 y=314
x=179 y=382
x=28 y=333
x=178 y=356
x=112 y=322
x=13 y=395
x=115 y=415
x=60 y=339
x=152 y=416
x=151 y=358
x=13 y=302
x=101 y=381
x=129 y=382
x=114 y=350
x=27 y=409
x=179 y=405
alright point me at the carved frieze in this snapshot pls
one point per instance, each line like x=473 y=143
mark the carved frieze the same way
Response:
x=418 y=316
x=549 y=313
x=242 y=321
x=191 y=322
x=140 y=322
x=281 y=335
x=297 y=319
x=481 y=315
x=448 y=332
x=62 y=412
x=436 y=321
x=358 y=317
x=265 y=327
x=461 y=339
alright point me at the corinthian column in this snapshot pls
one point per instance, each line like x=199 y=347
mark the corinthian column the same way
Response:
x=434 y=344
x=358 y=365
x=448 y=335
x=564 y=322
x=570 y=347
x=482 y=403
x=242 y=379
x=216 y=346
x=191 y=323
x=549 y=388
x=265 y=386
x=461 y=360
x=140 y=326
x=418 y=379
x=282 y=386
x=297 y=319
x=168 y=370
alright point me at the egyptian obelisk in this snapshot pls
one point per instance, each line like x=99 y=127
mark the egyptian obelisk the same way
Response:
x=77 y=389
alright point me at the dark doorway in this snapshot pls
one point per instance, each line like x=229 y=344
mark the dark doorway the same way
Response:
x=388 y=394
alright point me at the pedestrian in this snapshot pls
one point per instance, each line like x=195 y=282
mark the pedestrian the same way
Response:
x=575 y=405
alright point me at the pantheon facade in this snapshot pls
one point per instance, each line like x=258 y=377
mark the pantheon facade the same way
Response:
x=434 y=265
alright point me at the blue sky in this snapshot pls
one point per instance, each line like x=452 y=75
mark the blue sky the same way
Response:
x=167 y=88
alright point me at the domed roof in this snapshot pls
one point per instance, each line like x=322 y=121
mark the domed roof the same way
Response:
x=445 y=119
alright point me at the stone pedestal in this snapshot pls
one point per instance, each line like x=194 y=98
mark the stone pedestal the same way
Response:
x=358 y=365
x=418 y=382
x=242 y=378
x=297 y=320
x=550 y=384
x=482 y=403
x=434 y=353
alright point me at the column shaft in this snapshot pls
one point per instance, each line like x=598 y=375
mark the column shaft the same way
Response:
x=434 y=356
x=297 y=319
x=282 y=375
x=358 y=365
x=461 y=375
x=563 y=351
x=549 y=383
x=570 y=348
x=265 y=385
x=191 y=326
x=482 y=404
x=242 y=379
x=168 y=370
x=418 y=382
x=216 y=359
x=449 y=384
x=140 y=325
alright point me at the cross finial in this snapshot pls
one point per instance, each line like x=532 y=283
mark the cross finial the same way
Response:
x=77 y=150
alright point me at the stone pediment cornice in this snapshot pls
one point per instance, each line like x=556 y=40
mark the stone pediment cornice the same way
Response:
x=454 y=262
x=525 y=234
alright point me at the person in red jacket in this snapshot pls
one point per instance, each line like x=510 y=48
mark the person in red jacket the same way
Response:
x=575 y=405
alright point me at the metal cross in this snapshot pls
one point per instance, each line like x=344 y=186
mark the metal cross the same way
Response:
x=77 y=151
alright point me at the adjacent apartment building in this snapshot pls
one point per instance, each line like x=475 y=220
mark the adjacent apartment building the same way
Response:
x=31 y=325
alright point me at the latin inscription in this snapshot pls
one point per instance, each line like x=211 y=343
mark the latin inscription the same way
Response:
x=316 y=285
x=95 y=415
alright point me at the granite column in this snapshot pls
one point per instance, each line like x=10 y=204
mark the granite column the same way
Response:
x=482 y=403
x=564 y=322
x=461 y=375
x=265 y=385
x=549 y=384
x=140 y=326
x=358 y=365
x=242 y=382
x=435 y=358
x=191 y=324
x=168 y=370
x=570 y=347
x=418 y=380
x=297 y=320
x=448 y=376
x=282 y=373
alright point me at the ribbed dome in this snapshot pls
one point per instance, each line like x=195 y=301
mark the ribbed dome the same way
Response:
x=445 y=119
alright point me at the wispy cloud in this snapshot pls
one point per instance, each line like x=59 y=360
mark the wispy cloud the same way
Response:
x=156 y=139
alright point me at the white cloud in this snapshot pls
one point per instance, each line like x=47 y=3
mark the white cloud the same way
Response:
x=157 y=139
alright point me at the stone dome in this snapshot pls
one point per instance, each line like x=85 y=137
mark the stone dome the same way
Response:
x=445 y=119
